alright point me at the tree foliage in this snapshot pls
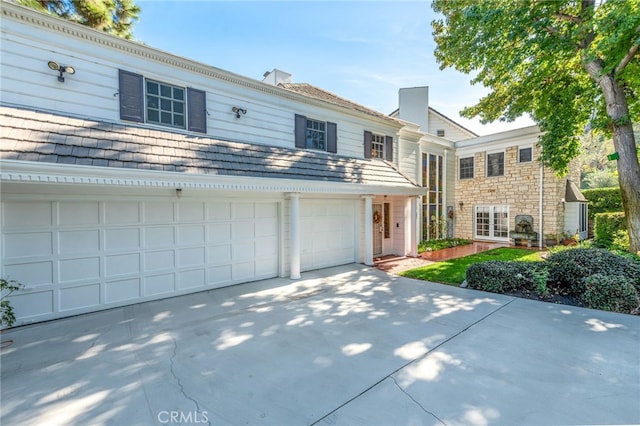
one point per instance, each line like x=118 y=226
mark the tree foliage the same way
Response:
x=115 y=17
x=572 y=65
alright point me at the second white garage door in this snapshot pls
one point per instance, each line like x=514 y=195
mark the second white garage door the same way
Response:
x=328 y=233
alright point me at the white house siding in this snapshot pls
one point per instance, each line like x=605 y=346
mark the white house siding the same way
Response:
x=85 y=249
x=93 y=90
x=451 y=131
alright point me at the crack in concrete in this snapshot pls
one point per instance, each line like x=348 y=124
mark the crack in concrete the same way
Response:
x=416 y=401
x=390 y=375
x=179 y=382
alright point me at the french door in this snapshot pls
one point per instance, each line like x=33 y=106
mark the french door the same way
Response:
x=492 y=222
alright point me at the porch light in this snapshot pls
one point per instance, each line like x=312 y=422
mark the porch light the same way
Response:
x=62 y=69
x=239 y=111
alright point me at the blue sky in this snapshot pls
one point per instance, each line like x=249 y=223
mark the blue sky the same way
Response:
x=361 y=50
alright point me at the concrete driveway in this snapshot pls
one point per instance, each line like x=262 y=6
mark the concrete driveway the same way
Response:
x=342 y=346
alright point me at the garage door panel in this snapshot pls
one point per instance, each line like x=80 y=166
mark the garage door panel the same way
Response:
x=190 y=212
x=79 y=297
x=122 y=213
x=219 y=233
x=219 y=254
x=28 y=244
x=122 y=239
x=79 y=256
x=119 y=291
x=159 y=284
x=219 y=211
x=191 y=279
x=159 y=237
x=31 y=274
x=79 y=213
x=79 y=269
x=219 y=275
x=32 y=305
x=122 y=264
x=159 y=260
x=191 y=256
x=191 y=235
x=158 y=212
x=30 y=214
x=73 y=242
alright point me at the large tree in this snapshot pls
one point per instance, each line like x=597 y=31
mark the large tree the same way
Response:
x=116 y=17
x=571 y=65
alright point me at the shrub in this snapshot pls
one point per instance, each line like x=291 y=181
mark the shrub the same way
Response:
x=610 y=293
x=498 y=276
x=569 y=268
x=440 y=244
x=607 y=226
x=602 y=200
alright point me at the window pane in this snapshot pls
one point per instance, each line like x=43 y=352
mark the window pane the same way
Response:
x=179 y=120
x=178 y=93
x=525 y=155
x=166 y=118
x=495 y=164
x=178 y=107
x=153 y=116
x=152 y=88
x=152 y=102
x=466 y=168
x=165 y=104
x=165 y=91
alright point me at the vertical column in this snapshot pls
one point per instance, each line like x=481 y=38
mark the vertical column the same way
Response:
x=294 y=235
x=368 y=229
x=413 y=227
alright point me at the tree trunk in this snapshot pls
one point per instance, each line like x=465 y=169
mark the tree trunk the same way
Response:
x=625 y=145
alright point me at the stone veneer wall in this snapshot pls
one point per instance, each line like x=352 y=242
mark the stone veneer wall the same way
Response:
x=518 y=188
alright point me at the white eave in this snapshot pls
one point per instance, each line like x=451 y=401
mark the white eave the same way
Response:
x=50 y=173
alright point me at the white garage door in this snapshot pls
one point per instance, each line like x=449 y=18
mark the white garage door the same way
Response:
x=81 y=256
x=327 y=233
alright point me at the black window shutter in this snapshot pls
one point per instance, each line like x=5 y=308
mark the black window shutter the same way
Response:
x=367 y=144
x=332 y=137
x=388 y=147
x=131 y=96
x=301 y=131
x=197 y=110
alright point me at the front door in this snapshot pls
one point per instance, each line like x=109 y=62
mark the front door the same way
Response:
x=378 y=228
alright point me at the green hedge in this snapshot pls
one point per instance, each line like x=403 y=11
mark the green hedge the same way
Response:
x=603 y=200
x=609 y=228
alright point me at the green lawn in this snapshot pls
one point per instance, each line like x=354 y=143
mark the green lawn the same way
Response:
x=453 y=271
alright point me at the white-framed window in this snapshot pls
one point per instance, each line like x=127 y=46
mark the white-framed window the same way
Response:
x=495 y=164
x=440 y=133
x=377 y=146
x=525 y=154
x=165 y=104
x=466 y=168
x=492 y=222
x=316 y=134
x=583 y=220
x=433 y=217
x=146 y=100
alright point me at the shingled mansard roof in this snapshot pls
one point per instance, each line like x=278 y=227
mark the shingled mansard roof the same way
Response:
x=44 y=137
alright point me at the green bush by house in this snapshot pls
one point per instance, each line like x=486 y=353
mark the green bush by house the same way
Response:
x=610 y=293
x=610 y=231
x=603 y=200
